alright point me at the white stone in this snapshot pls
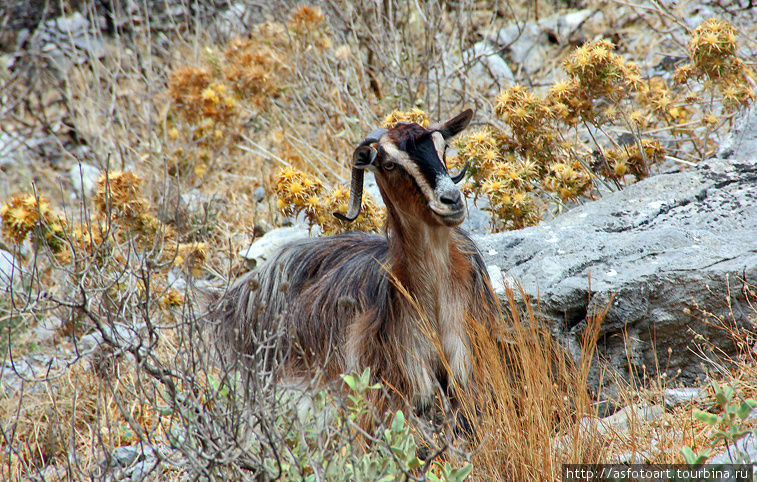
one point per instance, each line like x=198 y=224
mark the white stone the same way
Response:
x=625 y=417
x=680 y=396
x=46 y=329
x=564 y=24
x=12 y=149
x=499 y=280
x=72 y=25
x=370 y=187
x=9 y=269
x=525 y=42
x=84 y=178
x=262 y=248
x=489 y=63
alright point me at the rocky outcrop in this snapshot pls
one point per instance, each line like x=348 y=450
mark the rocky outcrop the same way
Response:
x=672 y=255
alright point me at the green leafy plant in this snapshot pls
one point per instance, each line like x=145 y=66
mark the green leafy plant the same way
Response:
x=728 y=422
x=387 y=453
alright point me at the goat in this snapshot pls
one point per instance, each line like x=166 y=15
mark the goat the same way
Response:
x=356 y=300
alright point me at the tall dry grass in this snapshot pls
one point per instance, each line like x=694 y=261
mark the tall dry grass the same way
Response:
x=529 y=392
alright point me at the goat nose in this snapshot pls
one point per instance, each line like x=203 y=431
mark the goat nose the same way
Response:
x=450 y=198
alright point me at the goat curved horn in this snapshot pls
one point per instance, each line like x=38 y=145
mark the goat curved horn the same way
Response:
x=356 y=184
x=459 y=177
x=356 y=197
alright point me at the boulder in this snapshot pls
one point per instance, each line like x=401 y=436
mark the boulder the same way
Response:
x=271 y=241
x=488 y=65
x=741 y=142
x=526 y=43
x=84 y=178
x=744 y=451
x=670 y=255
x=10 y=270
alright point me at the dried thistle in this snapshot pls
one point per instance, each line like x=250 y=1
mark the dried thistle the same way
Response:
x=630 y=159
x=253 y=69
x=601 y=72
x=25 y=213
x=413 y=115
x=372 y=218
x=185 y=88
x=120 y=193
x=298 y=192
x=713 y=53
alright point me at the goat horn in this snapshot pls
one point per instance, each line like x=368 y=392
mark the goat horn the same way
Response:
x=459 y=177
x=356 y=197
x=356 y=185
x=374 y=136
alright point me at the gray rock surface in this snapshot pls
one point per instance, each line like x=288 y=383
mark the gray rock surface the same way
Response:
x=84 y=177
x=263 y=247
x=9 y=270
x=563 y=25
x=12 y=149
x=674 y=397
x=68 y=40
x=620 y=423
x=741 y=142
x=663 y=250
x=525 y=42
x=489 y=64
x=742 y=452
x=131 y=462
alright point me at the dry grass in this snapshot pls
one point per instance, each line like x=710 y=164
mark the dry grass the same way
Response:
x=528 y=393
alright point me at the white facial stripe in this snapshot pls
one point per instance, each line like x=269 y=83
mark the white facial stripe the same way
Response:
x=445 y=184
x=439 y=144
x=401 y=158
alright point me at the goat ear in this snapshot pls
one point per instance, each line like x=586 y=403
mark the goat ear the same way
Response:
x=363 y=157
x=454 y=126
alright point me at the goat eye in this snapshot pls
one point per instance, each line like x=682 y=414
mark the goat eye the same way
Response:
x=388 y=165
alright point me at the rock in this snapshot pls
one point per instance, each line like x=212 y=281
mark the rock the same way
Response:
x=499 y=280
x=697 y=15
x=741 y=142
x=263 y=247
x=564 y=24
x=620 y=423
x=488 y=64
x=123 y=335
x=131 y=462
x=660 y=249
x=195 y=200
x=125 y=456
x=742 y=452
x=10 y=269
x=525 y=42
x=623 y=419
x=12 y=149
x=477 y=219
x=46 y=329
x=68 y=40
x=84 y=177
x=370 y=187
x=258 y=194
x=73 y=25
x=674 y=397
x=144 y=468
x=237 y=19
